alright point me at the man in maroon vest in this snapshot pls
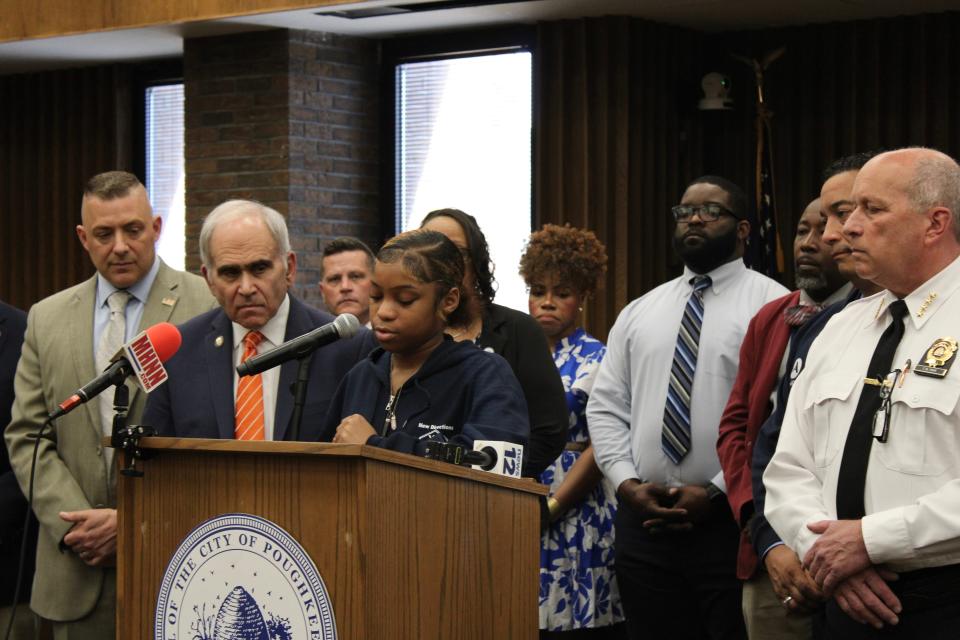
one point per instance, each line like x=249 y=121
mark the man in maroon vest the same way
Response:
x=762 y=363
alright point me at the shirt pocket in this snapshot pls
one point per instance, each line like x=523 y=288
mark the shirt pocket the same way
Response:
x=828 y=398
x=922 y=438
x=724 y=361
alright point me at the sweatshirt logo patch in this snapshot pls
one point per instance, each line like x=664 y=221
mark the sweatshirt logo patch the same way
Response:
x=435 y=427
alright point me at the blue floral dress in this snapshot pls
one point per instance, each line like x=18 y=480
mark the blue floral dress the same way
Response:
x=578 y=587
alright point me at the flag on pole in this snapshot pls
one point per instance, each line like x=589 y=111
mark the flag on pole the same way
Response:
x=766 y=251
x=768 y=256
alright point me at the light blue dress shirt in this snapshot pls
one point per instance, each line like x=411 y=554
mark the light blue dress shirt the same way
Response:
x=625 y=411
x=134 y=312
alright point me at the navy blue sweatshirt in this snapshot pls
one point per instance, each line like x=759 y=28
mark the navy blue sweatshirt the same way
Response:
x=460 y=394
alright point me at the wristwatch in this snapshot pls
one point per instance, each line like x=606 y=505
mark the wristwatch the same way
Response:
x=713 y=492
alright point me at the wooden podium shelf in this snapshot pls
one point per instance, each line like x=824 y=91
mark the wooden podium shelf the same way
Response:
x=407 y=547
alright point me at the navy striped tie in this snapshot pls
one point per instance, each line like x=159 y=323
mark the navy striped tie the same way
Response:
x=675 y=438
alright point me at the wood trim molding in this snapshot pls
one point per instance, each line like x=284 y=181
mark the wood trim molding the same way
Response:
x=352 y=450
x=51 y=18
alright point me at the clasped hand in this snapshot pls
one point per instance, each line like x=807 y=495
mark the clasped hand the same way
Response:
x=840 y=564
x=794 y=587
x=667 y=509
x=837 y=554
x=93 y=536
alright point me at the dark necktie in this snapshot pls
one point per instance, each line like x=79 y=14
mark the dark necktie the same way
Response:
x=856 y=451
x=675 y=436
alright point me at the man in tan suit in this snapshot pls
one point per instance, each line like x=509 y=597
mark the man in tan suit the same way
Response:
x=74 y=486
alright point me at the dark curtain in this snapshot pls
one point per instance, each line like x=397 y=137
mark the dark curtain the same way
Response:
x=615 y=102
x=618 y=133
x=56 y=130
x=838 y=89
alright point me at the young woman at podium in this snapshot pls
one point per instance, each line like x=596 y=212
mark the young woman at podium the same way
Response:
x=419 y=384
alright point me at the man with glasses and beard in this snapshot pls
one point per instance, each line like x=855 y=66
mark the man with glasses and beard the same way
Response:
x=763 y=361
x=672 y=357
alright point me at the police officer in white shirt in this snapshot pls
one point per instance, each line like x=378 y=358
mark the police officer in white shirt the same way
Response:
x=653 y=416
x=865 y=483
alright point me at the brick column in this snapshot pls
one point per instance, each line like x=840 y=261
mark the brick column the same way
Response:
x=333 y=145
x=288 y=118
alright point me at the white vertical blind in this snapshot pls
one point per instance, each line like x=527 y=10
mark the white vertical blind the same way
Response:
x=463 y=140
x=165 y=168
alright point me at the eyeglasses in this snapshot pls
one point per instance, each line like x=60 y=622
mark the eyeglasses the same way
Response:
x=706 y=212
x=881 y=419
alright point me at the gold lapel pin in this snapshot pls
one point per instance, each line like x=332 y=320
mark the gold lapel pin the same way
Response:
x=218 y=342
x=169 y=302
x=926 y=303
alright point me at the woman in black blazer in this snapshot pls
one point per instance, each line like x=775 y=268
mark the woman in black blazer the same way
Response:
x=511 y=334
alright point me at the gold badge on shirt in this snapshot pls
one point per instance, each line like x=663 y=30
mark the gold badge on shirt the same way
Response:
x=938 y=359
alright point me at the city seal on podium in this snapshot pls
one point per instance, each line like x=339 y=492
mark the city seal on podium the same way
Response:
x=240 y=577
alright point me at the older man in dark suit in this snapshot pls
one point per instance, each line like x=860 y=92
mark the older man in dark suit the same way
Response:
x=249 y=267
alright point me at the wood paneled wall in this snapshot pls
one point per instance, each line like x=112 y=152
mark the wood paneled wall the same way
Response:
x=56 y=130
x=619 y=133
x=838 y=89
x=614 y=113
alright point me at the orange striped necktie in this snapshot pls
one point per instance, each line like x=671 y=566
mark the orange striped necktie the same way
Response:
x=249 y=408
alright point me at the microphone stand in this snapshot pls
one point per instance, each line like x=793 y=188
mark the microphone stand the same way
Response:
x=121 y=402
x=127 y=437
x=299 y=390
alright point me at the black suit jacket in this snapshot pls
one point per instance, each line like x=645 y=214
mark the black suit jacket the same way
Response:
x=13 y=506
x=519 y=339
x=197 y=399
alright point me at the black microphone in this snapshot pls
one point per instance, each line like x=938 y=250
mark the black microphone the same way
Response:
x=485 y=458
x=345 y=326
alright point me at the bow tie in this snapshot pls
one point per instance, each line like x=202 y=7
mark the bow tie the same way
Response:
x=797 y=315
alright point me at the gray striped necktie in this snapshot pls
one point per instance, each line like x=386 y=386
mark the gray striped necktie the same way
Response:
x=111 y=340
x=675 y=437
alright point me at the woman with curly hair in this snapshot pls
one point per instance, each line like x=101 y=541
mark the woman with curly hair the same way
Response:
x=578 y=587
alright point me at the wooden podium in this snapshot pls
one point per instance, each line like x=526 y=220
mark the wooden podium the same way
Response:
x=408 y=548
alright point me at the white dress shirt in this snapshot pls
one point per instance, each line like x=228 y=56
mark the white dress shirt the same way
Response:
x=625 y=411
x=913 y=480
x=273 y=335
